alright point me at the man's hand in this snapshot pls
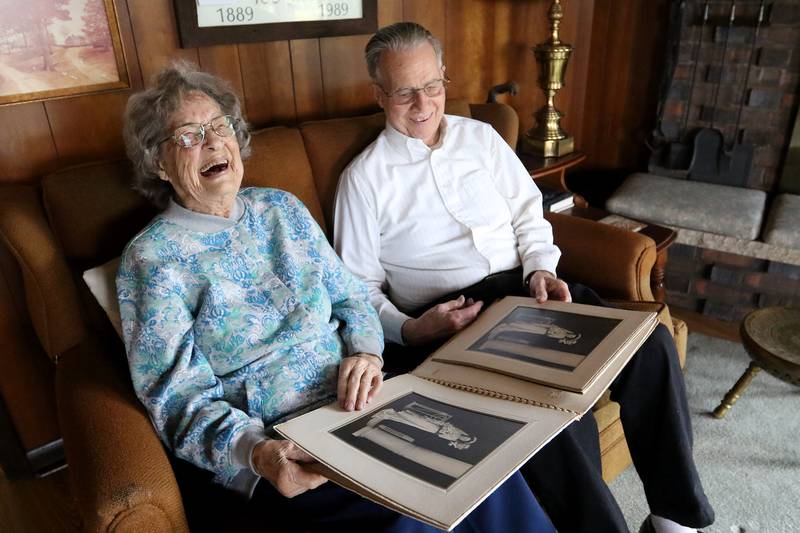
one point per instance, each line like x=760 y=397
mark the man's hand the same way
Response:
x=360 y=379
x=281 y=463
x=441 y=321
x=544 y=285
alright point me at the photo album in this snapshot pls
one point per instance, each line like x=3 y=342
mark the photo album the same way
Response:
x=433 y=444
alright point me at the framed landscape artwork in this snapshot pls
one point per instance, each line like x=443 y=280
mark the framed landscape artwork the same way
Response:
x=56 y=48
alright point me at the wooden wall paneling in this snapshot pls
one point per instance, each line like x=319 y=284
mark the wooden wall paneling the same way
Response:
x=509 y=50
x=527 y=27
x=616 y=94
x=389 y=12
x=345 y=79
x=468 y=48
x=429 y=13
x=576 y=29
x=129 y=44
x=223 y=61
x=646 y=64
x=309 y=95
x=26 y=144
x=329 y=73
x=625 y=64
x=580 y=78
x=267 y=83
x=597 y=85
x=87 y=127
x=502 y=43
x=156 y=36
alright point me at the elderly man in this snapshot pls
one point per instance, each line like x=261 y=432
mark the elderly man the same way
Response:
x=438 y=216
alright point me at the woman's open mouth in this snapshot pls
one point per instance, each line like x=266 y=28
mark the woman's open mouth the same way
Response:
x=214 y=168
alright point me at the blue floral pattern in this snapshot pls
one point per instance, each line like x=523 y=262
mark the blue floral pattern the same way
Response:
x=238 y=328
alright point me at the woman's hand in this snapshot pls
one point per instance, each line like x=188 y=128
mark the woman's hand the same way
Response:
x=360 y=379
x=281 y=463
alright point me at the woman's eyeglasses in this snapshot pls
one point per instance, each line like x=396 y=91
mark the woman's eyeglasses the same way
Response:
x=406 y=95
x=190 y=135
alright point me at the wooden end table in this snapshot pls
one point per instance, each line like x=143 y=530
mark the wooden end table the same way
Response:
x=771 y=337
x=552 y=171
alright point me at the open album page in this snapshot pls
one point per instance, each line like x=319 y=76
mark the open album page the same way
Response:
x=425 y=450
x=524 y=391
x=562 y=345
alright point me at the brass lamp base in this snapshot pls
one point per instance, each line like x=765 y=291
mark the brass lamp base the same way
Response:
x=547 y=138
x=549 y=147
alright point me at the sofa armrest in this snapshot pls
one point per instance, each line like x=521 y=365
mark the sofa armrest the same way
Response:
x=50 y=293
x=122 y=479
x=614 y=262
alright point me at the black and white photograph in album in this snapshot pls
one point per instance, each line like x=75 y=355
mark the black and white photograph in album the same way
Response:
x=430 y=440
x=525 y=331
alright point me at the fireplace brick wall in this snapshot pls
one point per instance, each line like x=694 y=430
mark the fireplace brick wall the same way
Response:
x=770 y=94
x=727 y=286
x=718 y=284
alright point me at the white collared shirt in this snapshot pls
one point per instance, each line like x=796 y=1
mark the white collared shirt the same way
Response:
x=416 y=223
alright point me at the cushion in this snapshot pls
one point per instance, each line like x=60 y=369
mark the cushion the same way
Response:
x=279 y=160
x=331 y=145
x=695 y=205
x=93 y=211
x=783 y=222
x=101 y=281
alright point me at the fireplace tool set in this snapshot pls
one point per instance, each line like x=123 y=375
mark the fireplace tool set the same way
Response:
x=702 y=154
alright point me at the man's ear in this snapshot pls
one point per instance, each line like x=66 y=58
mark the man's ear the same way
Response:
x=378 y=93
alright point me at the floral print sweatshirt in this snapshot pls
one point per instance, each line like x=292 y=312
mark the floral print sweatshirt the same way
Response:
x=231 y=326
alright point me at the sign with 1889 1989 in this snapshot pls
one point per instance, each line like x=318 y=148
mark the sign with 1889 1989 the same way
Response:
x=209 y=22
x=238 y=12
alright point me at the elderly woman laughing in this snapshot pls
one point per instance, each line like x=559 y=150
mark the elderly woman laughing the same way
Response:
x=237 y=314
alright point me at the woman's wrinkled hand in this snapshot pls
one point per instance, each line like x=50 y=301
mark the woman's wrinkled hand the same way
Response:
x=281 y=463
x=360 y=379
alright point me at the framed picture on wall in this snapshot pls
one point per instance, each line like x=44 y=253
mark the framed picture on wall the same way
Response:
x=211 y=22
x=57 y=48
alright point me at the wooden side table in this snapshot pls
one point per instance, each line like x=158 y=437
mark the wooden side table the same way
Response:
x=552 y=171
x=771 y=337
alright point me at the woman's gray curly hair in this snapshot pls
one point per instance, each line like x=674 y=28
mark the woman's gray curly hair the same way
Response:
x=147 y=122
x=398 y=36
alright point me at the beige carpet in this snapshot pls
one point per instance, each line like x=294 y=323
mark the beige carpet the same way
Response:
x=750 y=461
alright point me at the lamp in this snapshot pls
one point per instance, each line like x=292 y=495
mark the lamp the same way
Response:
x=547 y=138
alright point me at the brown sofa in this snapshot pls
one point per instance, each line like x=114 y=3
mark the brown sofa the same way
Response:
x=82 y=216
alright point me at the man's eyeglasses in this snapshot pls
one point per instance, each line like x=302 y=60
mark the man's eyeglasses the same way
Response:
x=406 y=95
x=190 y=135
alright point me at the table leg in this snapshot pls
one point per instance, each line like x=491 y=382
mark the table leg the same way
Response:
x=736 y=391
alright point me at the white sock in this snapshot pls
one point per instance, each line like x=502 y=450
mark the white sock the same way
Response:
x=665 y=525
